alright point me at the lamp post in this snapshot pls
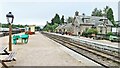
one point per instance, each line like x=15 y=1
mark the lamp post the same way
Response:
x=10 y=19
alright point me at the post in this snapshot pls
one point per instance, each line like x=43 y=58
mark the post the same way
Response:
x=10 y=37
x=10 y=19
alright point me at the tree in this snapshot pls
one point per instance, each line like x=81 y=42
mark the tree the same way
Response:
x=52 y=21
x=110 y=16
x=70 y=19
x=56 y=19
x=47 y=27
x=108 y=13
x=97 y=12
x=105 y=11
x=54 y=26
x=62 y=19
x=100 y=13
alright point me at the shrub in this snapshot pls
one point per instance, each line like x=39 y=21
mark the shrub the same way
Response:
x=109 y=33
x=89 y=32
x=85 y=34
x=92 y=31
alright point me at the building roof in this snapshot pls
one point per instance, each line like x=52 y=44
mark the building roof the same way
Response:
x=68 y=26
x=61 y=26
x=92 y=20
x=58 y=27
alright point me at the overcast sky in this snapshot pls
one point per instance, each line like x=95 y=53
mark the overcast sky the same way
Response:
x=38 y=12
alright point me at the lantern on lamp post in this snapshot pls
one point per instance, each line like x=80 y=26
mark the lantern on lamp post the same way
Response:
x=10 y=19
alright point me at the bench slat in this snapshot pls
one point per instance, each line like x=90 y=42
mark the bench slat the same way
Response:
x=11 y=56
x=2 y=49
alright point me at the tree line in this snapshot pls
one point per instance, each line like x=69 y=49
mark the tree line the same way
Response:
x=13 y=26
x=38 y=28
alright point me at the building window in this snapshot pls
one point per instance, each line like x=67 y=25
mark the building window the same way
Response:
x=106 y=21
x=72 y=24
x=83 y=20
x=86 y=21
x=93 y=27
x=64 y=30
x=101 y=30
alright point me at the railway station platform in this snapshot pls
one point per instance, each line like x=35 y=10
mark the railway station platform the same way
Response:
x=42 y=51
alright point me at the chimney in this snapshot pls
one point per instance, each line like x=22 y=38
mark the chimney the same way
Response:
x=76 y=13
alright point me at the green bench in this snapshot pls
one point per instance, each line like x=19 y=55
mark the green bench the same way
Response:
x=23 y=37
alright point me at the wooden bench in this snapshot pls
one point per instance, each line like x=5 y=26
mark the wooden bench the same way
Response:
x=3 y=51
x=9 y=58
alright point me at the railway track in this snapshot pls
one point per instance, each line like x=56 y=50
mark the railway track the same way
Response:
x=105 y=59
x=113 y=52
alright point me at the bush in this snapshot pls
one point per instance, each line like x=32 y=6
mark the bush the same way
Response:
x=85 y=34
x=109 y=33
x=92 y=31
x=89 y=32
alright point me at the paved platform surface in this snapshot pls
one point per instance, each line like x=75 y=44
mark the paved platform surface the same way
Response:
x=42 y=51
